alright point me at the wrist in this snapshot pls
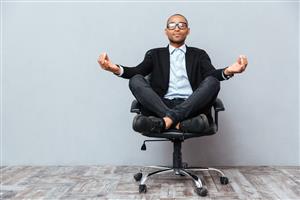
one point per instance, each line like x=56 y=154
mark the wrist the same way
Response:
x=227 y=71
x=116 y=69
x=227 y=74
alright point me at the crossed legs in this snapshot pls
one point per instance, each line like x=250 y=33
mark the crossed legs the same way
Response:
x=200 y=100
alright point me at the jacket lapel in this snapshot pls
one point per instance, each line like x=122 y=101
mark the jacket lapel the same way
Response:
x=166 y=64
x=188 y=62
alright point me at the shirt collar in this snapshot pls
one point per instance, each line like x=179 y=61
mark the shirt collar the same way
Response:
x=182 y=48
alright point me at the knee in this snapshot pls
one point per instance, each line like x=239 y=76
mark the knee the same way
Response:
x=135 y=81
x=213 y=83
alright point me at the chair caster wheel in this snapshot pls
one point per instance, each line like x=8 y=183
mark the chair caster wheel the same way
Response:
x=201 y=191
x=142 y=188
x=224 y=180
x=178 y=173
x=181 y=174
x=138 y=176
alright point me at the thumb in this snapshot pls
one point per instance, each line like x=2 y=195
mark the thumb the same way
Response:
x=239 y=60
x=106 y=57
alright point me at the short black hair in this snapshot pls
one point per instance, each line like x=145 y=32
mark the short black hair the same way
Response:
x=177 y=14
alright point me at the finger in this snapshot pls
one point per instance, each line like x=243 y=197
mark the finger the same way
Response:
x=99 y=59
x=244 y=57
x=245 y=61
x=242 y=61
x=239 y=60
x=104 y=55
x=100 y=62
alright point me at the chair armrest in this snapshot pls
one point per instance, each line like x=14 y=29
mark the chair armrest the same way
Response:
x=218 y=105
x=135 y=107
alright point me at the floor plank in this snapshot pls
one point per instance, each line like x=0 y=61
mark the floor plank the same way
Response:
x=116 y=182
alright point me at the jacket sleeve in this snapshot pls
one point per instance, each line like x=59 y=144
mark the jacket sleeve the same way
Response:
x=209 y=69
x=144 y=68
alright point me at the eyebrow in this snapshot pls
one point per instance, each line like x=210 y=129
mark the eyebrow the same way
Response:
x=176 y=22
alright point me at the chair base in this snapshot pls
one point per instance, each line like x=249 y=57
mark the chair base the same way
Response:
x=200 y=189
x=180 y=168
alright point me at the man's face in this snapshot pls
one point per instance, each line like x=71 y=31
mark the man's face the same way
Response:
x=177 y=35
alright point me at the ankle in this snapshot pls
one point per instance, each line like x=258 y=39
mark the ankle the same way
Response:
x=168 y=122
x=177 y=126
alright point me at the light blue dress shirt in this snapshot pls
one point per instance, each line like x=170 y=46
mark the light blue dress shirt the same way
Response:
x=179 y=85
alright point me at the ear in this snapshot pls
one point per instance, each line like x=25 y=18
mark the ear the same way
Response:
x=188 y=31
x=166 y=31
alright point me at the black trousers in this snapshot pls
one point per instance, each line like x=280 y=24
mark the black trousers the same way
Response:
x=177 y=109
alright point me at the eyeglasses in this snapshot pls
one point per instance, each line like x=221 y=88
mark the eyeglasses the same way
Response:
x=180 y=25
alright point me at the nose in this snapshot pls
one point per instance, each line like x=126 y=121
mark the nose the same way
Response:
x=176 y=28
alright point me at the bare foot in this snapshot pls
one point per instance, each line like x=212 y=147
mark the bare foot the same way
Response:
x=177 y=126
x=168 y=122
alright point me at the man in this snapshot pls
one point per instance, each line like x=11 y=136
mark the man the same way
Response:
x=182 y=84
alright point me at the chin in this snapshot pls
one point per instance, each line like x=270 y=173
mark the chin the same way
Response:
x=177 y=41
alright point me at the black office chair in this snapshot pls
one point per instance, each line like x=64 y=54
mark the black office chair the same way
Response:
x=177 y=137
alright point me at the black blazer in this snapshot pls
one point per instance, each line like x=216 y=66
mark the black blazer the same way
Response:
x=157 y=64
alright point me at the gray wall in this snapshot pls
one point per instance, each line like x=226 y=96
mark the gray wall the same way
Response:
x=58 y=107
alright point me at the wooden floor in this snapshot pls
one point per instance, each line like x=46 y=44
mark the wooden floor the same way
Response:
x=116 y=182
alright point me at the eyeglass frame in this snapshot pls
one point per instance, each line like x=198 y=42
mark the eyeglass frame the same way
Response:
x=177 y=25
